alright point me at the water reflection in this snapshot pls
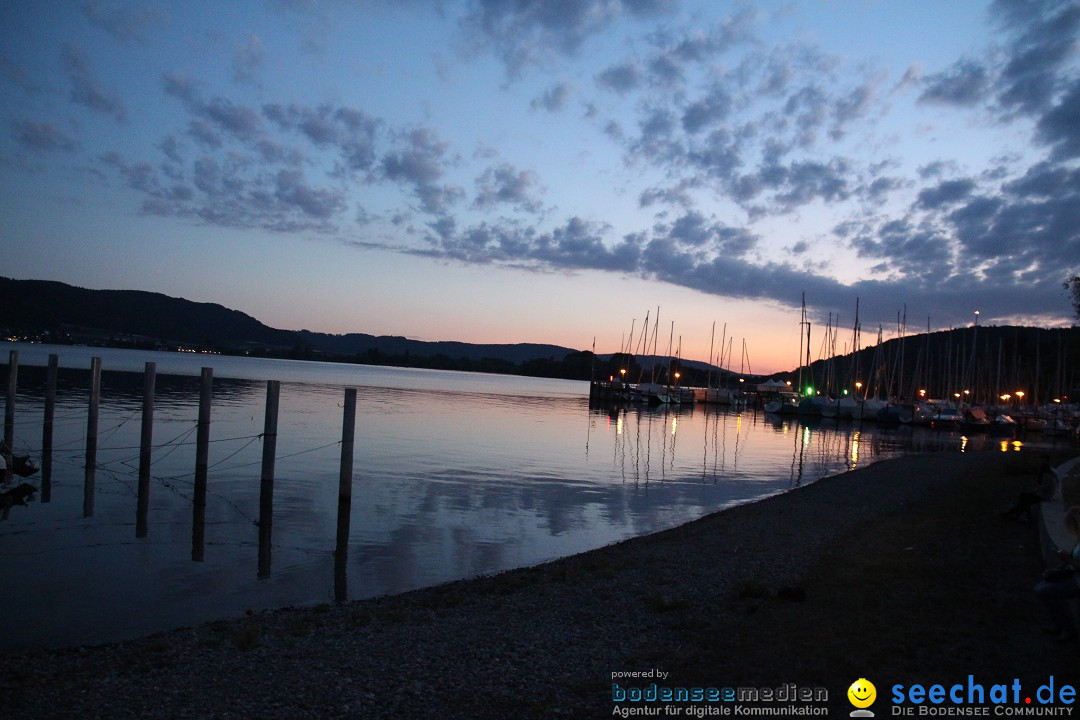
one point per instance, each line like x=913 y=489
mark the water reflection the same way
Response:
x=451 y=478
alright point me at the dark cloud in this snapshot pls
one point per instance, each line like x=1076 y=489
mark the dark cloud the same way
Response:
x=945 y=193
x=702 y=46
x=17 y=75
x=805 y=181
x=1046 y=37
x=41 y=136
x=125 y=21
x=247 y=59
x=666 y=72
x=350 y=132
x=217 y=115
x=621 y=78
x=85 y=90
x=967 y=83
x=237 y=120
x=506 y=185
x=711 y=109
x=525 y=32
x=913 y=250
x=292 y=191
x=693 y=231
x=1060 y=126
x=421 y=162
x=554 y=98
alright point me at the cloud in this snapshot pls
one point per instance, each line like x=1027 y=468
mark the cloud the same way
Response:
x=505 y=185
x=945 y=193
x=1046 y=38
x=1060 y=126
x=292 y=191
x=85 y=90
x=41 y=136
x=965 y=84
x=554 y=98
x=248 y=59
x=709 y=110
x=910 y=249
x=529 y=32
x=219 y=114
x=124 y=21
x=420 y=162
x=17 y=75
x=348 y=131
x=621 y=78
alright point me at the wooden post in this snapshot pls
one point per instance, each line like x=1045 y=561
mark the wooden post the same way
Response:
x=202 y=455
x=91 y=436
x=266 y=485
x=47 y=428
x=146 y=441
x=9 y=410
x=341 y=550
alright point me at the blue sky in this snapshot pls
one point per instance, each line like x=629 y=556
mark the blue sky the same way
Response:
x=548 y=171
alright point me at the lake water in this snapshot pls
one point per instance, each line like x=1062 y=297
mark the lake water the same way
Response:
x=454 y=475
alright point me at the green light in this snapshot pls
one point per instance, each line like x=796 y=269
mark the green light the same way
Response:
x=809 y=390
x=845 y=392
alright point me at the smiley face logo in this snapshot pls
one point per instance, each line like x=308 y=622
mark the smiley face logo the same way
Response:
x=862 y=693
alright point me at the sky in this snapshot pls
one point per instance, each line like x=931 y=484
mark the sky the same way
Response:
x=549 y=171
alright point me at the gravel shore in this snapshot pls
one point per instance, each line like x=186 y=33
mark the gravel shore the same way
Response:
x=765 y=594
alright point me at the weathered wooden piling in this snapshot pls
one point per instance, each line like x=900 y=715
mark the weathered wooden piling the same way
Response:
x=47 y=428
x=91 y=436
x=341 y=550
x=266 y=484
x=146 y=441
x=9 y=409
x=202 y=456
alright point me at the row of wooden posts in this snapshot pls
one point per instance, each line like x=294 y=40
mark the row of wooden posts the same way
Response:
x=202 y=445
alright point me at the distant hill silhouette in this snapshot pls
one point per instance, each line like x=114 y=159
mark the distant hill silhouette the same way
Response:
x=63 y=313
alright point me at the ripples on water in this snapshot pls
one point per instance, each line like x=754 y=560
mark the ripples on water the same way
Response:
x=455 y=475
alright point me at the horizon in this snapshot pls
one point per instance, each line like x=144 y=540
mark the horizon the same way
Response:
x=501 y=173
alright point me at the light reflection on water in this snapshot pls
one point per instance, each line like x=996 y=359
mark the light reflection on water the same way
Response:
x=455 y=475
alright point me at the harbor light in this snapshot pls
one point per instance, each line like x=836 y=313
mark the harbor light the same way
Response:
x=1020 y=395
x=1006 y=397
x=922 y=393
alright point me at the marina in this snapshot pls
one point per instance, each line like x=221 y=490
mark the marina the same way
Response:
x=453 y=475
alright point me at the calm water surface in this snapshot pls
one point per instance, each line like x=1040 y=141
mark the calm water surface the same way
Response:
x=455 y=475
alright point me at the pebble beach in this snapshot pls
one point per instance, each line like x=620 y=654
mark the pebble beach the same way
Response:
x=753 y=594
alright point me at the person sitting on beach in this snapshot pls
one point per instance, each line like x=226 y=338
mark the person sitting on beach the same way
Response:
x=1062 y=583
x=1046 y=483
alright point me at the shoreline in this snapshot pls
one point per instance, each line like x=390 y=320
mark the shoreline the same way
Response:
x=544 y=641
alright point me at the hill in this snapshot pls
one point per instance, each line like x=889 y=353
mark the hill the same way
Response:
x=61 y=313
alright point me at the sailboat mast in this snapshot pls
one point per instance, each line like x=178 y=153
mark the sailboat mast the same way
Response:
x=708 y=370
x=802 y=321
